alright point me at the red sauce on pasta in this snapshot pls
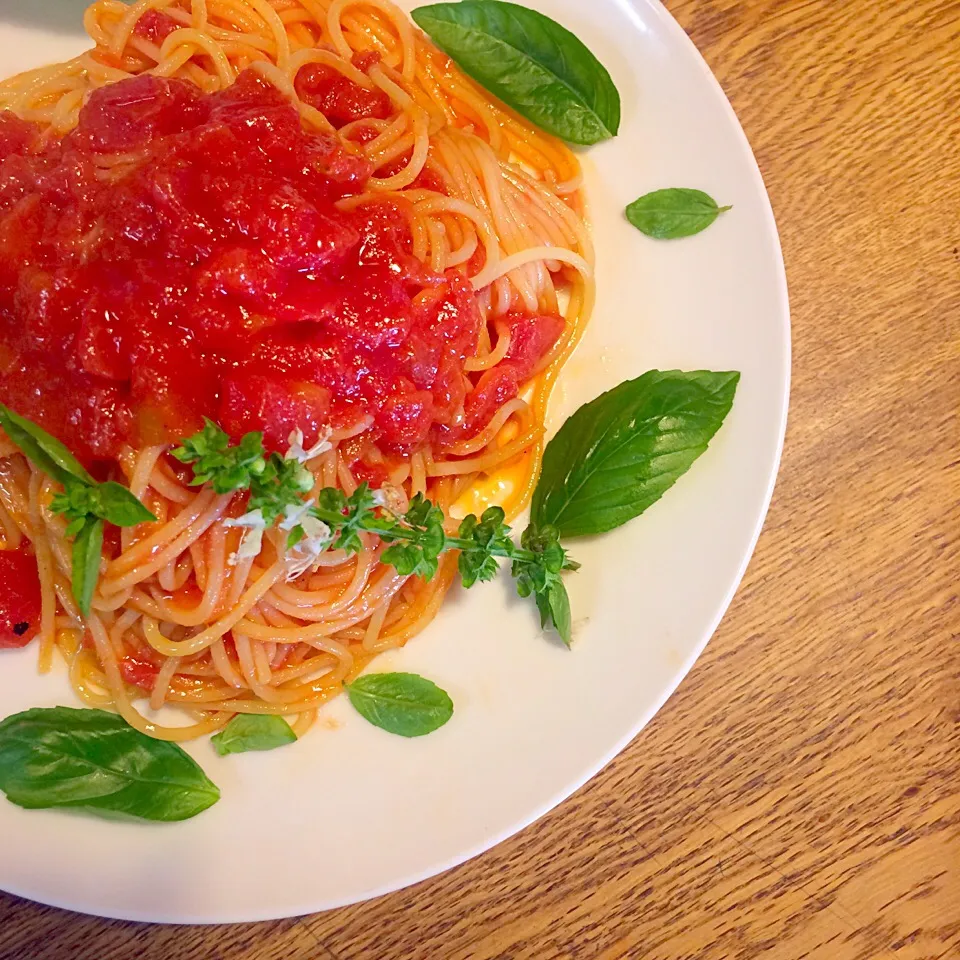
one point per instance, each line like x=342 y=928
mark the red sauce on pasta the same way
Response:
x=19 y=597
x=181 y=255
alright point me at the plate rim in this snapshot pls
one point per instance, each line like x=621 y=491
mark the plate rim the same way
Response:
x=669 y=25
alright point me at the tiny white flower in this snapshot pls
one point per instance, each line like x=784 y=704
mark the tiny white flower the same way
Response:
x=391 y=497
x=304 y=555
x=250 y=544
x=252 y=539
x=294 y=514
x=316 y=530
x=252 y=520
x=297 y=452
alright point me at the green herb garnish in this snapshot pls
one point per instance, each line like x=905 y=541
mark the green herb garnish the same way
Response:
x=620 y=453
x=402 y=703
x=253 y=731
x=47 y=452
x=530 y=62
x=64 y=757
x=673 y=213
x=416 y=539
x=611 y=460
x=226 y=468
x=85 y=503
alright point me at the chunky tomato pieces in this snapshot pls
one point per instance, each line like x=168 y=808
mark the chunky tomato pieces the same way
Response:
x=19 y=597
x=138 y=672
x=182 y=255
x=337 y=97
x=156 y=26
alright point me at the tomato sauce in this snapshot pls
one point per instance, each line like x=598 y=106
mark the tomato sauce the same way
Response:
x=19 y=597
x=181 y=255
x=138 y=672
x=339 y=99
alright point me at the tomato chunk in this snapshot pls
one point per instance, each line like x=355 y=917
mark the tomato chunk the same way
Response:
x=19 y=597
x=531 y=338
x=16 y=135
x=338 y=98
x=138 y=672
x=277 y=407
x=124 y=116
x=155 y=26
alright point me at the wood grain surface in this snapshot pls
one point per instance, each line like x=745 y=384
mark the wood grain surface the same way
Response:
x=797 y=797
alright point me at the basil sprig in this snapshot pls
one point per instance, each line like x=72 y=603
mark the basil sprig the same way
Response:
x=674 y=212
x=620 y=453
x=530 y=62
x=226 y=468
x=402 y=703
x=543 y=580
x=84 y=502
x=252 y=731
x=611 y=460
x=415 y=539
x=64 y=757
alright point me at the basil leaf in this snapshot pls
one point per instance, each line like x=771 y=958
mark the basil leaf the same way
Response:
x=672 y=213
x=620 y=453
x=402 y=703
x=554 y=607
x=530 y=62
x=87 y=548
x=251 y=731
x=63 y=757
x=117 y=505
x=46 y=452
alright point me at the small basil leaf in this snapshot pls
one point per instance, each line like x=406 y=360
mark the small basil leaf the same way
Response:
x=75 y=526
x=117 y=505
x=63 y=757
x=672 y=213
x=554 y=607
x=251 y=731
x=295 y=536
x=402 y=703
x=620 y=453
x=87 y=548
x=47 y=452
x=531 y=63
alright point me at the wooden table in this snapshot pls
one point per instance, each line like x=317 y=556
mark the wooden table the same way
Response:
x=797 y=797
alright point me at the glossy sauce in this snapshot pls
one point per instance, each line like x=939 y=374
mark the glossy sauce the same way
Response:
x=19 y=597
x=181 y=255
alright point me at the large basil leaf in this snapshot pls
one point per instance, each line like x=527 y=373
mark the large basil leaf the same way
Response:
x=63 y=757
x=402 y=703
x=621 y=452
x=531 y=63
x=252 y=731
x=673 y=213
x=46 y=451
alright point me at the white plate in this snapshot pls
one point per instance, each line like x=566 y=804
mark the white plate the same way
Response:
x=351 y=812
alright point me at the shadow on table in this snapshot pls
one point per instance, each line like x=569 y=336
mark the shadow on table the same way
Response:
x=58 y=16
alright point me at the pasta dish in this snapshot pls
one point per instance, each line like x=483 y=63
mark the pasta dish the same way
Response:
x=291 y=218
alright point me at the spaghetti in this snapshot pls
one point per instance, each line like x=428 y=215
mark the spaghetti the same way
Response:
x=423 y=175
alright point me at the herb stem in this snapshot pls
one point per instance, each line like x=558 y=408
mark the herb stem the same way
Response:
x=408 y=534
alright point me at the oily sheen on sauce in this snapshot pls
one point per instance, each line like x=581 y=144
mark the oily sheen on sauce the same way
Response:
x=257 y=302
